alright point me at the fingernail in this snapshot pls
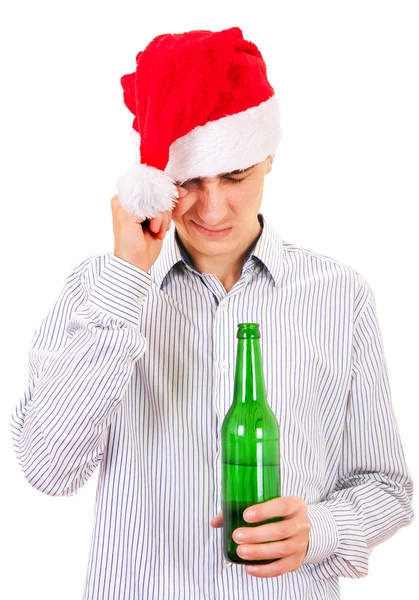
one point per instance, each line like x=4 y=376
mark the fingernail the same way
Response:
x=244 y=551
x=249 y=514
x=238 y=535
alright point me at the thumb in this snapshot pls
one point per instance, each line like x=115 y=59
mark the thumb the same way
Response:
x=217 y=521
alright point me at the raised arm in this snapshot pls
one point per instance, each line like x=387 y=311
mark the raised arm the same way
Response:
x=80 y=361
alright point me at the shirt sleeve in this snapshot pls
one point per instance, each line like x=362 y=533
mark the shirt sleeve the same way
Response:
x=80 y=361
x=373 y=494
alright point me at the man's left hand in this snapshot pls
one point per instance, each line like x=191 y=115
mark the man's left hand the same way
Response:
x=286 y=540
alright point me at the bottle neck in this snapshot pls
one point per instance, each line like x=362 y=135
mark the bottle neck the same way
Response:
x=249 y=383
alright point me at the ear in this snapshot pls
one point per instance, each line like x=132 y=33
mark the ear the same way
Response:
x=269 y=162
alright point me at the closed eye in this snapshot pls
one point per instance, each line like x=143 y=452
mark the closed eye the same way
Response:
x=224 y=178
x=232 y=180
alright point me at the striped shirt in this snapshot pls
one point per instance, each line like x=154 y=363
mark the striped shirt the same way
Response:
x=133 y=372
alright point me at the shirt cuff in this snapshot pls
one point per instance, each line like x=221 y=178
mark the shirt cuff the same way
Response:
x=121 y=289
x=323 y=538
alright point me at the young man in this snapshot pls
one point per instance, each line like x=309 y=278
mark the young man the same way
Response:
x=133 y=368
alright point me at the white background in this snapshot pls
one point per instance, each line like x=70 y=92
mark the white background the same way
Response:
x=344 y=184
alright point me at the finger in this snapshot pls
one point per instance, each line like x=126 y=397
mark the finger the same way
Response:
x=167 y=220
x=278 y=507
x=161 y=234
x=267 y=533
x=165 y=224
x=118 y=209
x=276 y=568
x=120 y=214
x=270 y=550
x=155 y=223
x=116 y=206
x=217 y=521
x=181 y=191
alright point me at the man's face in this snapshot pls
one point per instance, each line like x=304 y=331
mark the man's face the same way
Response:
x=220 y=213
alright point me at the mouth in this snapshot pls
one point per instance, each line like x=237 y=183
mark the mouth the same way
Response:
x=211 y=233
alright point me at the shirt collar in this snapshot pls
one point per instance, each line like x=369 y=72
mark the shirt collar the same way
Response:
x=268 y=249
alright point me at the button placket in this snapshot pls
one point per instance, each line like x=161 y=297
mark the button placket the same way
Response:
x=223 y=365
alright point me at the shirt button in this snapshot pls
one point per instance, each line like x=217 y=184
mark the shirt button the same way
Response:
x=226 y=563
x=129 y=360
x=257 y=270
x=224 y=305
x=223 y=365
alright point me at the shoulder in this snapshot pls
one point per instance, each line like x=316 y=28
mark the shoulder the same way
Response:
x=299 y=257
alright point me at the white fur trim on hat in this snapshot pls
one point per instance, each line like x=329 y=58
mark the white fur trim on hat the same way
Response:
x=227 y=144
x=234 y=142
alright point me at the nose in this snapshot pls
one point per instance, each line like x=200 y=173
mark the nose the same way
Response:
x=211 y=206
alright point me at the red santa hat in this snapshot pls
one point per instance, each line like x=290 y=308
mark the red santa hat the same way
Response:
x=203 y=106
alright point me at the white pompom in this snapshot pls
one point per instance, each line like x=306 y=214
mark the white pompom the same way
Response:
x=145 y=191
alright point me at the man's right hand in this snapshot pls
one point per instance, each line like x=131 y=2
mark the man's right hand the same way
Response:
x=138 y=245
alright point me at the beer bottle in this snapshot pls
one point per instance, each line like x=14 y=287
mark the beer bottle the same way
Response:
x=249 y=443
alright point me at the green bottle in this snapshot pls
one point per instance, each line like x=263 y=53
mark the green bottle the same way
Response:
x=249 y=443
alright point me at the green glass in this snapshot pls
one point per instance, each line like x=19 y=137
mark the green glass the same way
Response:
x=249 y=443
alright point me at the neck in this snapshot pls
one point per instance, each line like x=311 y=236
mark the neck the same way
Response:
x=227 y=268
